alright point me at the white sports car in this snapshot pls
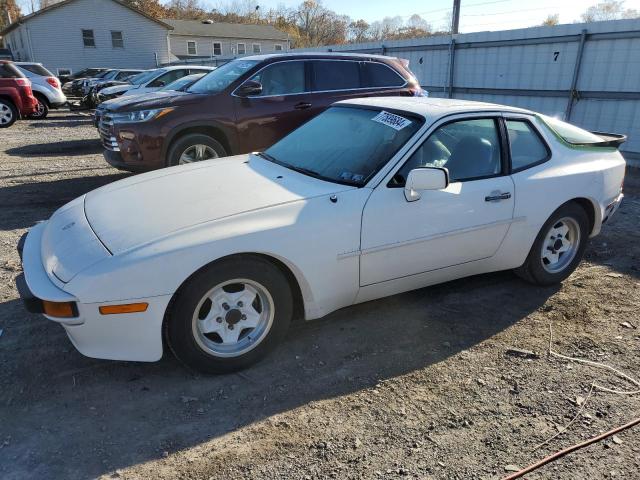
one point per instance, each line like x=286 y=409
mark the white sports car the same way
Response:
x=371 y=198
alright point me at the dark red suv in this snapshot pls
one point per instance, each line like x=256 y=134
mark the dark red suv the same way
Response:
x=243 y=106
x=16 y=97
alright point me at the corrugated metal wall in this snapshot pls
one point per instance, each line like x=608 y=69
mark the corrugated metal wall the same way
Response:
x=588 y=74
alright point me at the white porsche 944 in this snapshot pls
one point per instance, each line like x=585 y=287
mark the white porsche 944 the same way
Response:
x=371 y=198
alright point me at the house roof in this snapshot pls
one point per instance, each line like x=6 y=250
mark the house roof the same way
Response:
x=225 y=30
x=43 y=11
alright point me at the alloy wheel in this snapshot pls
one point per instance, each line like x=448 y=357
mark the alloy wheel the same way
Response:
x=233 y=318
x=6 y=114
x=197 y=153
x=560 y=245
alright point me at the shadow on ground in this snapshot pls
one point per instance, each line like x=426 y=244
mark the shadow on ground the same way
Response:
x=24 y=204
x=54 y=149
x=68 y=416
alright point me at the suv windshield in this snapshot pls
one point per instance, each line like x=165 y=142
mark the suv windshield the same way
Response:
x=362 y=141
x=143 y=77
x=222 y=77
x=36 y=69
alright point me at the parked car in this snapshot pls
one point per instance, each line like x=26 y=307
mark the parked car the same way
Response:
x=16 y=96
x=371 y=198
x=179 y=85
x=84 y=73
x=94 y=86
x=152 y=81
x=244 y=105
x=46 y=88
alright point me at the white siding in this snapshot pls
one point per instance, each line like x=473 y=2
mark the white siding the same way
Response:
x=229 y=45
x=56 y=37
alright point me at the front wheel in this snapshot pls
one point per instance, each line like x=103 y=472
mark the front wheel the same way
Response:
x=558 y=248
x=194 y=147
x=8 y=113
x=230 y=315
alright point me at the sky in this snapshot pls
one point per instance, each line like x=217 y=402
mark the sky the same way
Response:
x=476 y=15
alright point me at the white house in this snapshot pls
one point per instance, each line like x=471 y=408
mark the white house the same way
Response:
x=207 y=39
x=75 y=34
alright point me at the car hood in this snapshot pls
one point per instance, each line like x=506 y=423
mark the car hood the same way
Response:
x=144 y=208
x=118 y=89
x=149 y=100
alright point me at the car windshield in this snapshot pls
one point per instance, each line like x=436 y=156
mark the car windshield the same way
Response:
x=143 y=77
x=183 y=82
x=361 y=142
x=36 y=69
x=222 y=77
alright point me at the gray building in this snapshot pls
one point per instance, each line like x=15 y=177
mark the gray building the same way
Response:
x=76 y=34
x=207 y=39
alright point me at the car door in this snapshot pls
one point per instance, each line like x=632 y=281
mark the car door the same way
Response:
x=282 y=106
x=465 y=222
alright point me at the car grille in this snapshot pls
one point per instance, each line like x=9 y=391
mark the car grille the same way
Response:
x=105 y=127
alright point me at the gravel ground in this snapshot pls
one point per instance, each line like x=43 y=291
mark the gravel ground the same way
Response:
x=419 y=385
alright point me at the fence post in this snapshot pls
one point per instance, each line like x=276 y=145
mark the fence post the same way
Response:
x=384 y=49
x=573 y=93
x=452 y=57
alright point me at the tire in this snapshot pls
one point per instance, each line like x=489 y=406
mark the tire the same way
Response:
x=552 y=265
x=197 y=328
x=8 y=113
x=42 y=111
x=190 y=145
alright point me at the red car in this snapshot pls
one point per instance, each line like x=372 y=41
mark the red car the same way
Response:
x=16 y=97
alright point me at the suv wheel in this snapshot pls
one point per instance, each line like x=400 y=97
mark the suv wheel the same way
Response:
x=8 y=113
x=194 y=147
x=42 y=110
x=230 y=315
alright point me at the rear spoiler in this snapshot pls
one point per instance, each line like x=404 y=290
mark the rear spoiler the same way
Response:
x=609 y=140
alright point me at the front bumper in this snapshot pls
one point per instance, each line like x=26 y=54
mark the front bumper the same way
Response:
x=134 y=337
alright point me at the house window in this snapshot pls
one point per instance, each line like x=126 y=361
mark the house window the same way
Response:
x=192 y=48
x=117 y=41
x=277 y=47
x=257 y=48
x=242 y=49
x=217 y=48
x=87 y=38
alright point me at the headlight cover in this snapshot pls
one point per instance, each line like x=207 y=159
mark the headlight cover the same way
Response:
x=140 y=115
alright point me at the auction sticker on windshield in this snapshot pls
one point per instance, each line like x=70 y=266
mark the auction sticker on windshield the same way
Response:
x=391 y=120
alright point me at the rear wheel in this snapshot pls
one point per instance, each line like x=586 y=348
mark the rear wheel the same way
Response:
x=230 y=315
x=558 y=248
x=8 y=113
x=194 y=147
x=42 y=109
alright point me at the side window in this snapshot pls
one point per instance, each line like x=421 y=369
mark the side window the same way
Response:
x=283 y=78
x=379 y=75
x=117 y=40
x=527 y=148
x=242 y=49
x=217 y=49
x=468 y=149
x=192 y=48
x=335 y=75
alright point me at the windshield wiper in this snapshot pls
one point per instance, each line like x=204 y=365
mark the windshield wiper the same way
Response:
x=303 y=170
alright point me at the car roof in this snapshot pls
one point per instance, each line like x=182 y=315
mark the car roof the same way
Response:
x=320 y=55
x=431 y=108
x=176 y=67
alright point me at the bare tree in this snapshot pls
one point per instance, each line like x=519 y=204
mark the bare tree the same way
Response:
x=551 y=20
x=359 y=31
x=608 y=10
x=9 y=12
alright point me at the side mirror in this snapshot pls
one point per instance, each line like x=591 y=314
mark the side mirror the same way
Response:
x=249 y=88
x=421 y=179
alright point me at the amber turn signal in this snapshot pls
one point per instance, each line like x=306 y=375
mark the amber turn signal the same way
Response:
x=59 y=309
x=125 y=308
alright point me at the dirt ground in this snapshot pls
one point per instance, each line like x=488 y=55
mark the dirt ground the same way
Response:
x=419 y=385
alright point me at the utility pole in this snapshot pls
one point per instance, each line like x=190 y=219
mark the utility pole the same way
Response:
x=455 y=17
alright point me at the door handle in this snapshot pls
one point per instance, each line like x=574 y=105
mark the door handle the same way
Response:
x=302 y=106
x=497 y=197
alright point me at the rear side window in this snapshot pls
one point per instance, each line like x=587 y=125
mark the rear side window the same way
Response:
x=282 y=78
x=335 y=75
x=380 y=75
x=571 y=133
x=37 y=69
x=527 y=148
x=8 y=70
